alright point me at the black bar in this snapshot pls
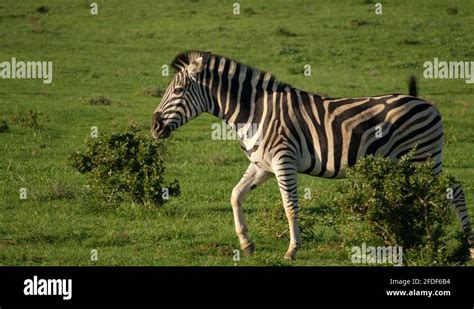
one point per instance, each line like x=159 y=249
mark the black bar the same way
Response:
x=239 y=285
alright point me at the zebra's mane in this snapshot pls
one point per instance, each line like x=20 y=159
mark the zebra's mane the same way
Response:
x=182 y=60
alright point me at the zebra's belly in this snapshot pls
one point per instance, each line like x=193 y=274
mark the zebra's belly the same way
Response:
x=330 y=172
x=327 y=173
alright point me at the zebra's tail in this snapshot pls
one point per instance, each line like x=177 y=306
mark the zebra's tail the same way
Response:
x=412 y=86
x=459 y=204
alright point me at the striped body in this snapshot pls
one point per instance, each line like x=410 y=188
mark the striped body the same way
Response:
x=297 y=131
x=326 y=135
x=334 y=133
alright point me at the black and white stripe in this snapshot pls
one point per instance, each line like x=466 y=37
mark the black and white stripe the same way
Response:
x=298 y=132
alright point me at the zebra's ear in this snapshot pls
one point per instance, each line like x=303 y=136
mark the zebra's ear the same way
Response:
x=199 y=63
x=180 y=61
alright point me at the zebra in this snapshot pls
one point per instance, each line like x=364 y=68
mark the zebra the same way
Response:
x=297 y=131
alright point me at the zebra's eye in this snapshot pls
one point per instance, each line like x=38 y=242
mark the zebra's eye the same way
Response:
x=178 y=90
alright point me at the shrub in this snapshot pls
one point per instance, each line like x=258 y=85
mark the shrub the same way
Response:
x=30 y=119
x=402 y=204
x=125 y=165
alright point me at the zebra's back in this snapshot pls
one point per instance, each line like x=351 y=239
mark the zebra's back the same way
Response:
x=336 y=132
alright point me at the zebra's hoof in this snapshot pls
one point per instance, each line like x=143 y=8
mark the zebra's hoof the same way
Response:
x=249 y=249
x=290 y=256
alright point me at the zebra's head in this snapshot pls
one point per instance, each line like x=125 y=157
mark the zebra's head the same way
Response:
x=184 y=99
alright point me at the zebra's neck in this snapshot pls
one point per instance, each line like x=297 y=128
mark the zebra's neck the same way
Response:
x=236 y=89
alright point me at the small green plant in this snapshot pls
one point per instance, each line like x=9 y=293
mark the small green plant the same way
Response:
x=125 y=166
x=285 y=32
x=402 y=204
x=249 y=11
x=357 y=22
x=43 y=9
x=153 y=92
x=36 y=24
x=30 y=119
x=296 y=70
x=452 y=10
x=100 y=100
x=4 y=126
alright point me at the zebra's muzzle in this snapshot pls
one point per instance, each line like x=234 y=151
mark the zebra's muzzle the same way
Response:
x=157 y=127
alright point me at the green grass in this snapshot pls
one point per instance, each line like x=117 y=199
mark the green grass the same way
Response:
x=118 y=54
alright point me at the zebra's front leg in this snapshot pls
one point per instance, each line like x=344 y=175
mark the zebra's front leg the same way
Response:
x=286 y=174
x=253 y=177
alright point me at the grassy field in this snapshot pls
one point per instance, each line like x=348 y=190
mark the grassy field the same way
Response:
x=119 y=54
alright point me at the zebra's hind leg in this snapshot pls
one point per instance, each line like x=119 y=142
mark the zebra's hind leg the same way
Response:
x=286 y=174
x=458 y=202
x=253 y=177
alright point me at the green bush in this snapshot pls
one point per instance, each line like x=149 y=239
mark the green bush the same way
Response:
x=402 y=204
x=30 y=119
x=125 y=166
